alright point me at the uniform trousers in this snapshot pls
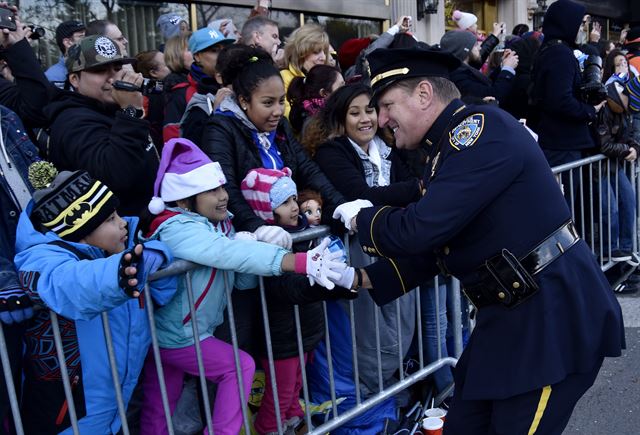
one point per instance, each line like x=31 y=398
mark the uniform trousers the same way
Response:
x=545 y=411
x=219 y=367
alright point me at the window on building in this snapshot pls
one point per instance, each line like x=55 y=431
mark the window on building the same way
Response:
x=206 y=13
x=485 y=10
x=341 y=28
x=136 y=20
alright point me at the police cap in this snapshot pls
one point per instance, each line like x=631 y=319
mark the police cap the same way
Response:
x=388 y=66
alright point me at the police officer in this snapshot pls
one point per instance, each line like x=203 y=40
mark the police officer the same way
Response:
x=492 y=215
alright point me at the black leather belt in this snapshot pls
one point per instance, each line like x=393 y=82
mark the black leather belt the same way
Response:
x=508 y=281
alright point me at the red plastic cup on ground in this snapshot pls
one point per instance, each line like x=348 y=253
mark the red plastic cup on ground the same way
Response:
x=432 y=426
x=436 y=412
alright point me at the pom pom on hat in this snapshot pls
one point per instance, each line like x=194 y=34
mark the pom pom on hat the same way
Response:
x=250 y=179
x=156 y=205
x=41 y=174
x=464 y=20
x=263 y=189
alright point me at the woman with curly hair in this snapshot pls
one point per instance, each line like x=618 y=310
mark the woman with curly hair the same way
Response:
x=306 y=47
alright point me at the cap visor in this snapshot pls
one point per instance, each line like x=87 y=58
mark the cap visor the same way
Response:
x=121 y=61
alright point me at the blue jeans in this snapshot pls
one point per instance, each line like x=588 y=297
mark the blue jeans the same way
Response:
x=430 y=336
x=622 y=201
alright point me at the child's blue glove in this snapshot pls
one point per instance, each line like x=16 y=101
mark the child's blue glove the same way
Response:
x=152 y=260
x=15 y=306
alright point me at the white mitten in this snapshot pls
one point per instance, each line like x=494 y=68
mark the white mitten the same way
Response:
x=274 y=235
x=348 y=210
x=346 y=278
x=321 y=265
x=245 y=235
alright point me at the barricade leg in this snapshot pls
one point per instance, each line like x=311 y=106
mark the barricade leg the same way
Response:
x=10 y=386
x=196 y=345
x=293 y=410
x=155 y=372
x=236 y=354
x=270 y=362
x=122 y=409
x=55 y=325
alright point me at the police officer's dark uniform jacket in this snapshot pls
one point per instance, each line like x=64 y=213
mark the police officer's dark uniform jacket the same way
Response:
x=488 y=187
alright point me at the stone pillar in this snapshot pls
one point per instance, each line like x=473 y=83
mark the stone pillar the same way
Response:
x=403 y=7
x=515 y=12
x=429 y=29
x=432 y=26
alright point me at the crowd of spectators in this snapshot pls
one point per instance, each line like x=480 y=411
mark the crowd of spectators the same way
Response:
x=261 y=113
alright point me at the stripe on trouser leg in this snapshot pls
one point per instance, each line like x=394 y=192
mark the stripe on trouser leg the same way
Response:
x=542 y=405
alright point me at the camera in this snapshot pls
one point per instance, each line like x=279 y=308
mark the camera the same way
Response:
x=148 y=87
x=592 y=91
x=36 y=32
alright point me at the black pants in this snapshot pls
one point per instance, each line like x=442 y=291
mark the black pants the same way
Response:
x=545 y=411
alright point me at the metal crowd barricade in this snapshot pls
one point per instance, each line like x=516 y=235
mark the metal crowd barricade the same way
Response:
x=593 y=191
x=583 y=183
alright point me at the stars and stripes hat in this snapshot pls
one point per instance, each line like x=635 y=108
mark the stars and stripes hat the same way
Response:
x=73 y=205
x=633 y=90
x=267 y=189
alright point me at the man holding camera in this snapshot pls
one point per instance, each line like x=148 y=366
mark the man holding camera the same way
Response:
x=100 y=127
x=564 y=118
x=29 y=92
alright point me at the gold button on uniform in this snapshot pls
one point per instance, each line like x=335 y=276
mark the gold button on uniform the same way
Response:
x=501 y=295
x=516 y=285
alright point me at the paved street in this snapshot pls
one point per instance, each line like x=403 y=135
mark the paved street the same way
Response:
x=612 y=406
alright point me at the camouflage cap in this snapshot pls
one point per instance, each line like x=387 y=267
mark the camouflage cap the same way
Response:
x=93 y=51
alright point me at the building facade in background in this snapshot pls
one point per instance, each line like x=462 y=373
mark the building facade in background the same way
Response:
x=343 y=19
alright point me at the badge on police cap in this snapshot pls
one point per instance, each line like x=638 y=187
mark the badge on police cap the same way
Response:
x=467 y=132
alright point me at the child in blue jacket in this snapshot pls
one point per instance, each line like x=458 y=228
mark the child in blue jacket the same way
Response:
x=78 y=258
x=197 y=227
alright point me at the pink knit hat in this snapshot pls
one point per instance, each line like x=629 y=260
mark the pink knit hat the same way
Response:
x=266 y=189
x=464 y=20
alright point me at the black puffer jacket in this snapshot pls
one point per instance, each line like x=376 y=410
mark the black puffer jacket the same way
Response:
x=113 y=147
x=614 y=134
x=342 y=165
x=285 y=291
x=228 y=141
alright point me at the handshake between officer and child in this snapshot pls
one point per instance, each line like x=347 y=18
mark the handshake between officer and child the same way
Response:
x=329 y=267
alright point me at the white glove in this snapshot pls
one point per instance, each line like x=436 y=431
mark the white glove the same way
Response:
x=321 y=265
x=346 y=278
x=274 y=235
x=245 y=235
x=348 y=210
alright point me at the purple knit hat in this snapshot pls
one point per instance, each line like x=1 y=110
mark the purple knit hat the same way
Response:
x=184 y=171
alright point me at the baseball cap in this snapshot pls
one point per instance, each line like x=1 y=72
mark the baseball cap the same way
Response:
x=205 y=38
x=94 y=51
x=66 y=29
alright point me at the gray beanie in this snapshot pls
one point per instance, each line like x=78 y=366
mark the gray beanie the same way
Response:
x=459 y=43
x=169 y=25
